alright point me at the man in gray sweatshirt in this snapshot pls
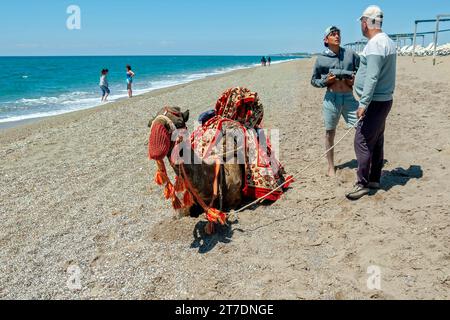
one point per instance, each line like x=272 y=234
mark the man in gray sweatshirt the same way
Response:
x=374 y=84
x=335 y=69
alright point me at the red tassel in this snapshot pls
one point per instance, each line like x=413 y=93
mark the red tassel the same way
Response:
x=179 y=184
x=168 y=191
x=176 y=203
x=291 y=180
x=209 y=228
x=216 y=216
x=188 y=199
x=161 y=178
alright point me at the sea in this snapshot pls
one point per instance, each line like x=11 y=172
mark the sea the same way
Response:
x=35 y=87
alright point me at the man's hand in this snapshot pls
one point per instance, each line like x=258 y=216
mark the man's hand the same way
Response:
x=331 y=79
x=350 y=82
x=360 y=113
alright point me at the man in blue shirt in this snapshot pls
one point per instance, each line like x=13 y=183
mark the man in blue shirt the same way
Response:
x=334 y=70
x=374 y=84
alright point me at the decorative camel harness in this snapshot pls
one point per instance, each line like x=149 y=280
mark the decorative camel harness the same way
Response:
x=183 y=183
x=237 y=108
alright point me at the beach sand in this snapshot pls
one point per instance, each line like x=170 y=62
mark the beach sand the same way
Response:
x=77 y=190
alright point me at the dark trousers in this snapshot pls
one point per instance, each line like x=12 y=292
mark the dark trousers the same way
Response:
x=369 y=142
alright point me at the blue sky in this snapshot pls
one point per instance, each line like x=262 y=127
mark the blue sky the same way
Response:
x=151 y=27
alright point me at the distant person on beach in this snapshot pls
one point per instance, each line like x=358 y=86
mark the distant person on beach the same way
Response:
x=263 y=61
x=130 y=76
x=374 y=84
x=269 y=61
x=104 y=85
x=335 y=70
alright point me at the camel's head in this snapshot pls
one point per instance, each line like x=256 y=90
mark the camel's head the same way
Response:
x=167 y=120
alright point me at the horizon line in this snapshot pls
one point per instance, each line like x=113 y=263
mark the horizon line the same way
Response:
x=159 y=55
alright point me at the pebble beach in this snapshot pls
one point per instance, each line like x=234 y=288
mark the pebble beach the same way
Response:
x=77 y=191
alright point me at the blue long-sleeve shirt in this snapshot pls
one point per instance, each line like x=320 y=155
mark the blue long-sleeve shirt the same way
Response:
x=375 y=79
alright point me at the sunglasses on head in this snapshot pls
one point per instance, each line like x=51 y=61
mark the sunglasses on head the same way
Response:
x=334 y=33
x=333 y=29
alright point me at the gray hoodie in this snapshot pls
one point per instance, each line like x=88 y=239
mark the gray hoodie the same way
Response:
x=346 y=60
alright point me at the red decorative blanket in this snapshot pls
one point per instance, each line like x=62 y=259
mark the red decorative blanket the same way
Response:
x=238 y=119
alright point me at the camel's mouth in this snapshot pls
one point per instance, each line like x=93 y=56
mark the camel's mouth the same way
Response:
x=159 y=142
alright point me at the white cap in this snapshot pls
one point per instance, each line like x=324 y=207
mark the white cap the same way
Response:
x=330 y=29
x=374 y=13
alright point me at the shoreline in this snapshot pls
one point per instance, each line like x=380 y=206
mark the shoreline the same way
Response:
x=18 y=123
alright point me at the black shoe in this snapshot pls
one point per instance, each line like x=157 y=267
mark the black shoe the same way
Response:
x=374 y=185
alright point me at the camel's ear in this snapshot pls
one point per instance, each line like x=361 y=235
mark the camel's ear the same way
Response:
x=185 y=116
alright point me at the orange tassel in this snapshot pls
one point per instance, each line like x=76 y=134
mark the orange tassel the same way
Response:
x=168 y=191
x=176 y=203
x=161 y=178
x=179 y=184
x=188 y=200
x=214 y=215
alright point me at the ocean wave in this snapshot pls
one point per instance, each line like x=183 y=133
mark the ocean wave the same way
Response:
x=36 y=115
x=73 y=96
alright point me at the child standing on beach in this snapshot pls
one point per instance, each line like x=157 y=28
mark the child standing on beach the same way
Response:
x=104 y=85
x=130 y=76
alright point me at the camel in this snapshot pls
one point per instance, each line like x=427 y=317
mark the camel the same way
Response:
x=199 y=175
x=222 y=162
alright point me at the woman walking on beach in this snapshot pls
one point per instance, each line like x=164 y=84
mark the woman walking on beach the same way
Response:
x=130 y=76
x=104 y=85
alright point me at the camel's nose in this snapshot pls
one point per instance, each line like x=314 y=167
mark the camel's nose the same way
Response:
x=159 y=142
